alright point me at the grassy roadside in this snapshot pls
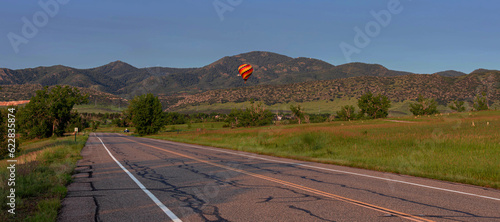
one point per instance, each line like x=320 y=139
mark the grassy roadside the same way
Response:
x=42 y=173
x=445 y=147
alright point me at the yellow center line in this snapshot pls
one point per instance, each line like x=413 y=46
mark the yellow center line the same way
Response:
x=308 y=189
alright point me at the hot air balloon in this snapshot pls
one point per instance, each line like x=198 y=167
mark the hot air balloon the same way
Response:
x=245 y=71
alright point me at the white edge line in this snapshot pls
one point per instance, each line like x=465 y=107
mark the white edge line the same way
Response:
x=338 y=171
x=143 y=188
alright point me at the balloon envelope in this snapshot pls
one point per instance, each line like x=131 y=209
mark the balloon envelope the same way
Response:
x=245 y=71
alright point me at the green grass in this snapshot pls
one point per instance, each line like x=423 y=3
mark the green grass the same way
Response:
x=194 y=126
x=445 y=147
x=40 y=184
x=309 y=107
x=398 y=109
x=99 y=108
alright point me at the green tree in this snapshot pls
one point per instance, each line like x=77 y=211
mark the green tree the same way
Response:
x=256 y=115
x=121 y=121
x=424 y=106
x=173 y=118
x=147 y=114
x=318 y=118
x=457 y=106
x=373 y=106
x=49 y=112
x=105 y=117
x=297 y=112
x=79 y=121
x=346 y=113
x=481 y=102
x=95 y=125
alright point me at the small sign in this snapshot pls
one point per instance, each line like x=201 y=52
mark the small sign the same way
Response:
x=76 y=129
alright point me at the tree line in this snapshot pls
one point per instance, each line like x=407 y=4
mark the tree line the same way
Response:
x=50 y=113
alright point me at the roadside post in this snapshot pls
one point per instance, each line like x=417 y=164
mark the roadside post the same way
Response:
x=76 y=132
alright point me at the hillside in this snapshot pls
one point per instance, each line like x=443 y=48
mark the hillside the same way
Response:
x=125 y=80
x=26 y=91
x=276 y=79
x=450 y=73
x=397 y=88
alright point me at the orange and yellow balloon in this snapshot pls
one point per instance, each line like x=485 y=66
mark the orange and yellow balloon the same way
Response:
x=245 y=71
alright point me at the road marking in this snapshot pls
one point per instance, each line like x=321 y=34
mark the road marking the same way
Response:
x=308 y=189
x=337 y=171
x=143 y=188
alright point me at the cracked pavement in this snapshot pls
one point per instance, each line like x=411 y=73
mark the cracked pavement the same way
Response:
x=190 y=181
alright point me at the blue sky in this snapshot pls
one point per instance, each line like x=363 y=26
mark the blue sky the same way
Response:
x=424 y=36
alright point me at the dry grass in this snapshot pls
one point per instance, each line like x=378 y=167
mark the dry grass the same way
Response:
x=41 y=175
x=434 y=147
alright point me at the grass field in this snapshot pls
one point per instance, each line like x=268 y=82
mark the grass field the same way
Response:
x=43 y=170
x=309 y=107
x=459 y=147
x=98 y=108
x=398 y=109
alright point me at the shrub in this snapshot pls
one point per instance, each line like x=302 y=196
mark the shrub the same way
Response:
x=424 y=106
x=457 y=106
x=373 y=106
x=297 y=113
x=346 y=113
x=481 y=102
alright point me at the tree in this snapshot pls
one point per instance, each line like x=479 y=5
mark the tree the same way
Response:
x=104 y=118
x=481 y=102
x=256 y=115
x=457 y=106
x=297 y=112
x=95 y=125
x=374 y=106
x=79 y=121
x=147 y=114
x=318 y=118
x=346 y=113
x=49 y=112
x=121 y=121
x=173 y=118
x=424 y=106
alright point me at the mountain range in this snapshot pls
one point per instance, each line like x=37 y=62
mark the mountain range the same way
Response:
x=125 y=80
x=397 y=88
x=276 y=79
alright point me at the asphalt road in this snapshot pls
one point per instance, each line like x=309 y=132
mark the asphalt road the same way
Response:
x=124 y=178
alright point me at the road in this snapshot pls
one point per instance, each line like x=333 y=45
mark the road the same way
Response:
x=124 y=178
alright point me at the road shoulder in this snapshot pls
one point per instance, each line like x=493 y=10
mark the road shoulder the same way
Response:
x=79 y=203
